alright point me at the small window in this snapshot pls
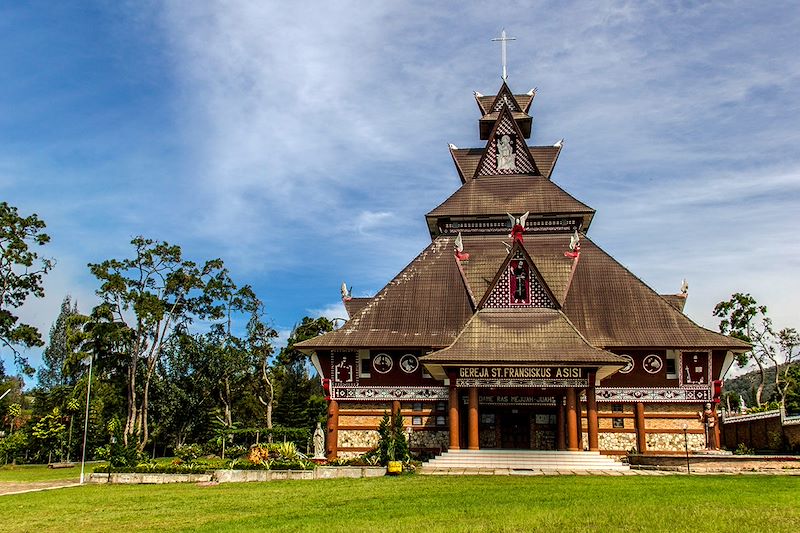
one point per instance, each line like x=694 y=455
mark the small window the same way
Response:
x=416 y=420
x=441 y=407
x=618 y=423
x=441 y=421
x=365 y=365
x=672 y=372
x=416 y=407
x=616 y=408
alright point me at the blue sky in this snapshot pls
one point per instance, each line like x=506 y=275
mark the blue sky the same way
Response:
x=303 y=145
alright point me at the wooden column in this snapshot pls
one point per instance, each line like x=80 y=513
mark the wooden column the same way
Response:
x=395 y=407
x=641 y=435
x=572 y=420
x=333 y=429
x=591 y=416
x=455 y=428
x=472 y=433
x=561 y=438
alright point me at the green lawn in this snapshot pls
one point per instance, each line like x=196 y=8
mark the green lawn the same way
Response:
x=35 y=473
x=422 y=503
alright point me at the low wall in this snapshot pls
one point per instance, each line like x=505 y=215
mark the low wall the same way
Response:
x=716 y=462
x=323 y=472
x=148 y=479
x=241 y=476
x=767 y=431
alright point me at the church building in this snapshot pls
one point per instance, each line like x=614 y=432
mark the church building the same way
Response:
x=513 y=329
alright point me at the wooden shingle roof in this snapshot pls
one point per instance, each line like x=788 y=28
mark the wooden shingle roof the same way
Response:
x=467 y=159
x=485 y=102
x=426 y=305
x=487 y=254
x=354 y=305
x=678 y=301
x=497 y=195
x=613 y=308
x=521 y=336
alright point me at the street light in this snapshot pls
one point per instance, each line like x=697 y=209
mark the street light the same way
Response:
x=686 y=445
x=86 y=420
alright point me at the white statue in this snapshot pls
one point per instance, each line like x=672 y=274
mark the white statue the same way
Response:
x=505 y=154
x=319 y=442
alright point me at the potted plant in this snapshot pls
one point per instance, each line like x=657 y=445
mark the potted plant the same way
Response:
x=393 y=445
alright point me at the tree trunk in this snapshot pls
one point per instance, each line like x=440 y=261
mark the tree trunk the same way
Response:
x=762 y=379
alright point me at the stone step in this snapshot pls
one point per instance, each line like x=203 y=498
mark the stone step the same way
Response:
x=524 y=460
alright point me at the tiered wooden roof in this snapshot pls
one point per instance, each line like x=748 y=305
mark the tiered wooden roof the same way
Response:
x=521 y=336
x=434 y=302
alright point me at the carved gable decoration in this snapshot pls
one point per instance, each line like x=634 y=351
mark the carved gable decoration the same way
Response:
x=344 y=367
x=505 y=97
x=518 y=284
x=506 y=151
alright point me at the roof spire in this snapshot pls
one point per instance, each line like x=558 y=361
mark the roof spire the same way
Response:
x=502 y=39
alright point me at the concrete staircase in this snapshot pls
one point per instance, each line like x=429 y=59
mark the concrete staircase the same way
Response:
x=522 y=460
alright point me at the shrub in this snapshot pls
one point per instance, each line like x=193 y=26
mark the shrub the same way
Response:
x=11 y=447
x=236 y=451
x=119 y=455
x=742 y=449
x=189 y=452
x=393 y=445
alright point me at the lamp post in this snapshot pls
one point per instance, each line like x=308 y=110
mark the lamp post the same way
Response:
x=686 y=445
x=86 y=420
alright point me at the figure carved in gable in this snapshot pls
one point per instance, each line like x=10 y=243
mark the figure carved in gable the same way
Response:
x=505 y=154
x=519 y=282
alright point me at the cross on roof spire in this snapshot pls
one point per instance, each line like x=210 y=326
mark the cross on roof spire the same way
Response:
x=502 y=39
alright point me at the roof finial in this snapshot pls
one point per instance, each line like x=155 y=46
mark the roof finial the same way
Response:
x=503 y=40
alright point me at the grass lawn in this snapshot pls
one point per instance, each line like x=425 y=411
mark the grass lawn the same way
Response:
x=36 y=473
x=422 y=503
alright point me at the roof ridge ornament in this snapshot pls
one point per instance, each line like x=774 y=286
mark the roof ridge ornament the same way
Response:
x=517 y=226
x=347 y=294
x=502 y=40
x=461 y=255
x=574 y=246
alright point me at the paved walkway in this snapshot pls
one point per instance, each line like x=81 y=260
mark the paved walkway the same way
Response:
x=631 y=472
x=11 y=487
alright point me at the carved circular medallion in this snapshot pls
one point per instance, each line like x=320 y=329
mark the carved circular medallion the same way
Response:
x=409 y=363
x=628 y=366
x=382 y=363
x=652 y=363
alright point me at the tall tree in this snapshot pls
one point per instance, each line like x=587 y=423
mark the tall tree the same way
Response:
x=21 y=273
x=300 y=397
x=743 y=318
x=788 y=342
x=152 y=296
x=57 y=353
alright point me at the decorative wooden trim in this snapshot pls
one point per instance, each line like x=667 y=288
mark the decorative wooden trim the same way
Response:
x=384 y=393
x=700 y=394
x=504 y=271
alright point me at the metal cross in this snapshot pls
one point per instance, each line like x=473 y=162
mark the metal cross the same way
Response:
x=503 y=40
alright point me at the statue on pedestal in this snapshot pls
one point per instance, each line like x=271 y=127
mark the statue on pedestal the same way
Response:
x=319 y=442
x=709 y=419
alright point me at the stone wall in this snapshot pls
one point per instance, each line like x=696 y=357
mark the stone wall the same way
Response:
x=674 y=442
x=616 y=441
x=358 y=438
x=430 y=439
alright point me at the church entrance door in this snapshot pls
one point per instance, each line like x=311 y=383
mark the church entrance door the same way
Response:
x=515 y=430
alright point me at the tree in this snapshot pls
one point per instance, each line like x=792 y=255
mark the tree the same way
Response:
x=151 y=297
x=300 y=398
x=21 y=273
x=56 y=354
x=743 y=318
x=49 y=432
x=785 y=355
